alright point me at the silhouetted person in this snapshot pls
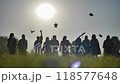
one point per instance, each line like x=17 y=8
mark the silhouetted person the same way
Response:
x=46 y=46
x=22 y=45
x=78 y=45
x=38 y=43
x=116 y=43
x=94 y=46
x=64 y=46
x=11 y=44
x=86 y=45
x=54 y=44
x=108 y=45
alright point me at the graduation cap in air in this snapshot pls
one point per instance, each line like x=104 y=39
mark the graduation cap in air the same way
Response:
x=32 y=31
x=82 y=34
x=100 y=35
x=91 y=14
x=56 y=25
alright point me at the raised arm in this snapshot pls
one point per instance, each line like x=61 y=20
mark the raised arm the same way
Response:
x=41 y=32
x=41 y=36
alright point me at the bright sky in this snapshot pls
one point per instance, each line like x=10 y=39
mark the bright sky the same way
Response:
x=19 y=16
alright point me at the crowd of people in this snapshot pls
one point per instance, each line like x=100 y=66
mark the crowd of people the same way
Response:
x=52 y=46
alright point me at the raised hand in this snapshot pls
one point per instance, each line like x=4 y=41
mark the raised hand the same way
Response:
x=41 y=31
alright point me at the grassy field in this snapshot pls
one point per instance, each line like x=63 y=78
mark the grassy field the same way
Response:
x=40 y=61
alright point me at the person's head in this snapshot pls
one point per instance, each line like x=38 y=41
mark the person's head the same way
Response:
x=11 y=35
x=23 y=36
x=93 y=36
x=108 y=37
x=47 y=38
x=86 y=37
x=54 y=37
x=64 y=38
x=37 y=37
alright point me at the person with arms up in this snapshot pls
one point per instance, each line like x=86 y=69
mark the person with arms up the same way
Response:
x=38 y=43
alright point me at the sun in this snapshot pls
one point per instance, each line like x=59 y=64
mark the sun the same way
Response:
x=45 y=11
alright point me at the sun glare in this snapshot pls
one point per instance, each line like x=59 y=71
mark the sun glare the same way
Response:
x=45 y=11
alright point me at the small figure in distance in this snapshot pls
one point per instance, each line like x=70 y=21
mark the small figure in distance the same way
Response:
x=108 y=45
x=86 y=45
x=64 y=46
x=11 y=44
x=46 y=46
x=94 y=46
x=22 y=45
x=54 y=44
x=38 y=43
